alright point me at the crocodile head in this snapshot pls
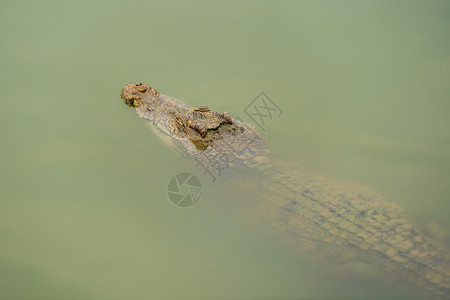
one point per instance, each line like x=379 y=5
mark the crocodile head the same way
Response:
x=198 y=132
x=173 y=118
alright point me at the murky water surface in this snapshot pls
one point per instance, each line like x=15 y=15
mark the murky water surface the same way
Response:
x=363 y=89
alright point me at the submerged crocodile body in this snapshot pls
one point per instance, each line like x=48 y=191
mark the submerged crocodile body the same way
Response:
x=316 y=213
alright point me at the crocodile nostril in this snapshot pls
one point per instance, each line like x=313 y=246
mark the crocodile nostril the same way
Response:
x=138 y=84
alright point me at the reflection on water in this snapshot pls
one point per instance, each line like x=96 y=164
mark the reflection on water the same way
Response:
x=83 y=207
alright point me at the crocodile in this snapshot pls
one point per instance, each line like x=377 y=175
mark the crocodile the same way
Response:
x=314 y=212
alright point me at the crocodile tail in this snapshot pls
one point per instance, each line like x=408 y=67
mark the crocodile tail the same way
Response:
x=350 y=220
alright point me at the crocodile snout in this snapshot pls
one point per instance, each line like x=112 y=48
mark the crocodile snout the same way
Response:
x=132 y=93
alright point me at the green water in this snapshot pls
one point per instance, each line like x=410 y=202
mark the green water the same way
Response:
x=364 y=89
